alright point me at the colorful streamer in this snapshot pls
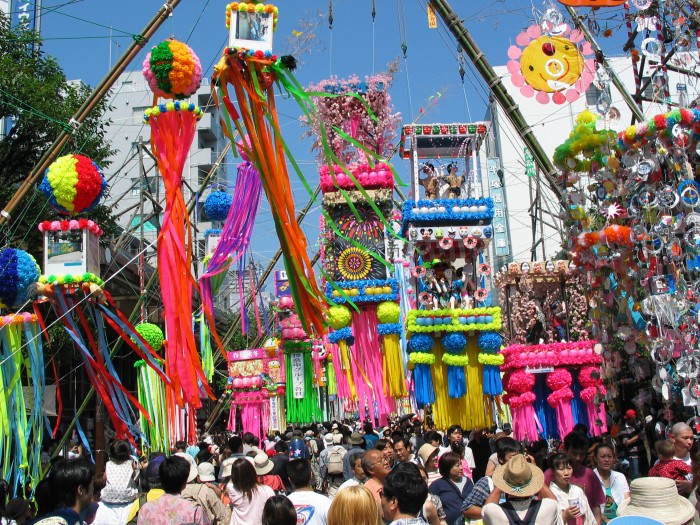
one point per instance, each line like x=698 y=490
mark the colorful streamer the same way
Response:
x=172 y=132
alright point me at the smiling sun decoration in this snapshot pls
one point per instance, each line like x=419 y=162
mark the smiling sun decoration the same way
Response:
x=548 y=63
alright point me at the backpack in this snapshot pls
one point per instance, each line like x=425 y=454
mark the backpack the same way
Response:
x=335 y=460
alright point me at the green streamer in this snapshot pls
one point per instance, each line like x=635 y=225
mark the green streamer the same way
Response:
x=306 y=410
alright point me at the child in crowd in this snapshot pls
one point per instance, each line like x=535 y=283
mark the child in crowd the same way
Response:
x=668 y=466
x=121 y=474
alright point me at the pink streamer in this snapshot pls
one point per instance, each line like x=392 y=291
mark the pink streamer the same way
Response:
x=596 y=413
x=524 y=425
x=253 y=417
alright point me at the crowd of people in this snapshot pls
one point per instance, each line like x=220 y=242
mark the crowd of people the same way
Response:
x=338 y=473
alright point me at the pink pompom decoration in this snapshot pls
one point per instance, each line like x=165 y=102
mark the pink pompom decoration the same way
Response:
x=520 y=382
x=585 y=376
x=73 y=225
x=558 y=396
x=560 y=378
x=56 y=225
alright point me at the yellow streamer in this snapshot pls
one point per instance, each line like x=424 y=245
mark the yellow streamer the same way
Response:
x=393 y=366
x=345 y=358
x=470 y=411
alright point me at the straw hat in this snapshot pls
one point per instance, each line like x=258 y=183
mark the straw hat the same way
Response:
x=657 y=498
x=518 y=477
x=425 y=451
x=262 y=463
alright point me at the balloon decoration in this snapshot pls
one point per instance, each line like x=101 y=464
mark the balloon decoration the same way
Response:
x=550 y=58
x=73 y=184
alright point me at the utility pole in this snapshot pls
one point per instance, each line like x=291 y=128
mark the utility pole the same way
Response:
x=86 y=108
x=143 y=179
x=510 y=108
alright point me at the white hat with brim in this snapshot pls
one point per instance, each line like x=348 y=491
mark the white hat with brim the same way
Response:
x=518 y=477
x=193 y=466
x=657 y=498
x=262 y=464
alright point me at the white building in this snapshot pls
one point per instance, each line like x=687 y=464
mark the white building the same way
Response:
x=551 y=124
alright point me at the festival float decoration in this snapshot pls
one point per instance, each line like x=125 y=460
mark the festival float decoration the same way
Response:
x=22 y=413
x=251 y=69
x=76 y=293
x=355 y=128
x=254 y=380
x=150 y=391
x=549 y=359
x=550 y=61
x=451 y=330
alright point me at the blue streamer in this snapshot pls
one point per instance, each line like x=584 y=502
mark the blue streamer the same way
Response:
x=423 y=380
x=545 y=413
x=456 y=382
x=81 y=433
x=578 y=407
x=493 y=386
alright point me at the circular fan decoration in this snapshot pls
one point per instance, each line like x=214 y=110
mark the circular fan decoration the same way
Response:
x=18 y=271
x=354 y=264
x=172 y=70
x=73 y=183
x=560 y=64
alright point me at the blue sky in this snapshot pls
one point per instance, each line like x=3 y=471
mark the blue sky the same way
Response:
x=78 y=33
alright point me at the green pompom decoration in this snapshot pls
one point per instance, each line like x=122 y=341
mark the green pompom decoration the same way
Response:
x=339 y=316
x=388 y=312
x=152 y=334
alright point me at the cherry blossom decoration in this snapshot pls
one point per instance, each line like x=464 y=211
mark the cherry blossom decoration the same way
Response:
x=559 y=62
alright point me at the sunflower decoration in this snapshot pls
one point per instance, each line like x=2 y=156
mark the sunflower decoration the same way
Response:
x=551 y=59
x=354 y=264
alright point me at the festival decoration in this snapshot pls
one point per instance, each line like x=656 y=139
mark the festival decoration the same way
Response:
x=21 y=424
x=73 y=184
x=592 y=3
x=150 y=391
x=18 y=272
x=217 y=205
x=249 y=66
x=172 y=70
x=551 y=58
x=172 y=131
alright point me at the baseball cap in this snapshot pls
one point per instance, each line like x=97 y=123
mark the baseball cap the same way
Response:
x=206 y=472
x=630 y=414
x=193 y=466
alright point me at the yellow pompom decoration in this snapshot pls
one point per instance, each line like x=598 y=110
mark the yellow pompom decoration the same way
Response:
x=339 y=316
x=388 y=312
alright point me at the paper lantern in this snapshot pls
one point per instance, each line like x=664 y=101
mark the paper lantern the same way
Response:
x=172 y=70
x=73 y=183
x=18 y=271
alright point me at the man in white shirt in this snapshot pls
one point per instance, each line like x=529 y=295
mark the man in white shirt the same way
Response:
x=358 y=475
x=455 y=434
x=520 y=482
x=312 y=508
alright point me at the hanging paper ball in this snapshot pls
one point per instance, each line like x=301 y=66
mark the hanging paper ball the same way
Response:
x=18 y=271
x=489 y=341
x=420 y=343
x=339 y=316
x=388 y=312
x=73 y=183
x=152 y=334
x=217 y=205
x=454 y=343
x=172 y=70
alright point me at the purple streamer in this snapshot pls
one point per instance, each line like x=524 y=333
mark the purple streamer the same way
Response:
x=237 y=230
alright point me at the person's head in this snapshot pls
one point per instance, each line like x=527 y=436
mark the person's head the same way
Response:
x=581 y=429
x=402 y=449
x=299 y=472
x=433 y=437
x=428 y=456
x=604 y=457
x=367 y=428
x=180 y=446
x=518 y=479
x=249 y=439
x=152 y=474
x=278 y=510
x=354 y=505
x=576 y=445
x=98 y=483
x=423 y=473
x=562 y=469
x=682 y=437
x=19 y=511
x=455 y=433
x=243 y=477
x=355 y=461
x=506 y=448
x=375 y=465
x=450 y=466
x=119 y=451
x=44 y=498
x=403 y=492
x=235 y=443
x=387 y=449
x=281 y=447
x=665 y=449
x=630 y=416
x=71 y=483
x=173 y=473
x=458 y=448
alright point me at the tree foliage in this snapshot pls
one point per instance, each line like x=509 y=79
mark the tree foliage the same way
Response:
x=38 y=102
